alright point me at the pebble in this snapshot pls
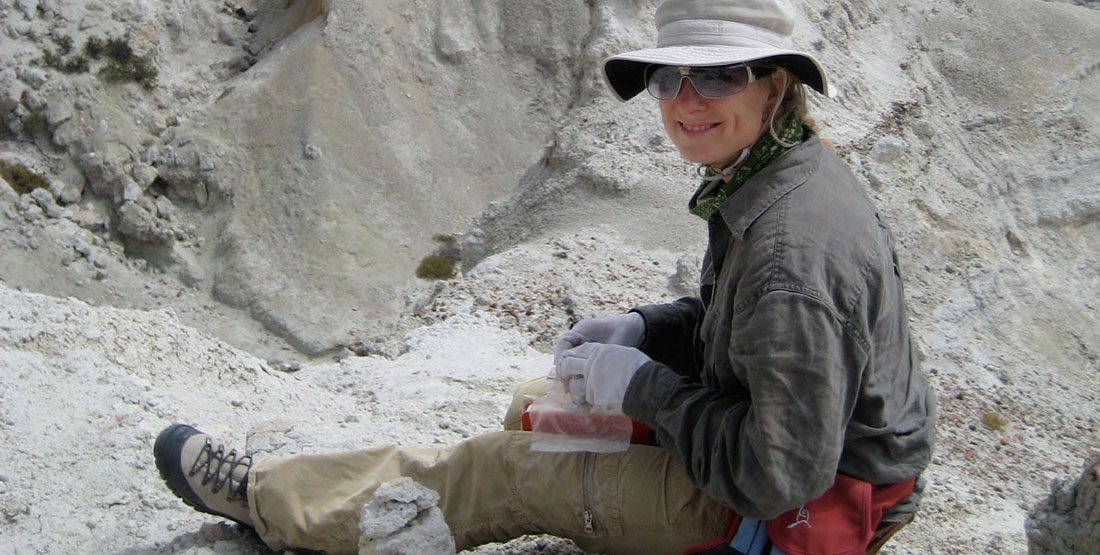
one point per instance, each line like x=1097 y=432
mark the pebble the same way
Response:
x=311 y=152
x=33 y=213
x=112 y=499
x=81 y=246
x=888 y=149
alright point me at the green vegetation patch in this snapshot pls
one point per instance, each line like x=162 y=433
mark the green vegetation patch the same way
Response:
x=94 y=47
x=22 y=179
x=75 y=64
x=137 y=69
x=56 y=59
x=64 y=43
x=434 y=266
x=442 y=263
x=35 y=123
x=121 y=65
x=118 y=50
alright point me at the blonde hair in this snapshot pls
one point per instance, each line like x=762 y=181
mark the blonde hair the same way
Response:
x=794 y=99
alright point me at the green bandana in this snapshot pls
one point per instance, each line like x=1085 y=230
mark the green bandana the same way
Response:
x=713 y=192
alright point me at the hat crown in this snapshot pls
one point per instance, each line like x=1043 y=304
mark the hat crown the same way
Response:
x=713 y=33
x=767 y=17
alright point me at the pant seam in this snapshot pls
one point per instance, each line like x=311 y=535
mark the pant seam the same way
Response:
x=255 y=487
x=516 y=505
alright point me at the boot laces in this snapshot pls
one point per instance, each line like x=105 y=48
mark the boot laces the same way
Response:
x=213 y=460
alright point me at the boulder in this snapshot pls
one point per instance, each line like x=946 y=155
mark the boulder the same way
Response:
x=1068 y=521
x=403 y=519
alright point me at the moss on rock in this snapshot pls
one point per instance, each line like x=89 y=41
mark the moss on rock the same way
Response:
x=434 y=266
x=22 y=179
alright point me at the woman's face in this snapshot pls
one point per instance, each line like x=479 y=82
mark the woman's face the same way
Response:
x=714 y=131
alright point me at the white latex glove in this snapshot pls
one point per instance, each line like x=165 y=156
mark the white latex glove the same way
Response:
x=622 y=329
x=604 y=369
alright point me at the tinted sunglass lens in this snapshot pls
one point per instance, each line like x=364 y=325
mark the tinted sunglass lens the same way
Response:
x=663 y=82
x=717 y=82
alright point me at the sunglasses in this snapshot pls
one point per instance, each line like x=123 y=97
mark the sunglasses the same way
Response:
x=663 y=82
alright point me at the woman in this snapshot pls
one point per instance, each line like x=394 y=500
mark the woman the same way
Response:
x=786 y=402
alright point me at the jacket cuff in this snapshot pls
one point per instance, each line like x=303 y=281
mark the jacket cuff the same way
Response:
x=669 y=327
x=648 y=388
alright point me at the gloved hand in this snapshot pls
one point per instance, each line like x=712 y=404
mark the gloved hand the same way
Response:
x=622 y=329
x=605 y=370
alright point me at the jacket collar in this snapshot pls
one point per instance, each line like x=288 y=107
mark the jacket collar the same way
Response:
x=771 y=183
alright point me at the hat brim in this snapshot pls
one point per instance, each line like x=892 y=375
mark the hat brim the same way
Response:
x=625 y=73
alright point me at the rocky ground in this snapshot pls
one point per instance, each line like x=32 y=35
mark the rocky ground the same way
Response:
x=233 y=242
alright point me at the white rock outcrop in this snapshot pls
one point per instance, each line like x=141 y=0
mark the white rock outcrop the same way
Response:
x=1068 y=522
x=403 y=519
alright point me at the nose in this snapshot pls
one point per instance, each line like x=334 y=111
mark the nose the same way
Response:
x=688 y=98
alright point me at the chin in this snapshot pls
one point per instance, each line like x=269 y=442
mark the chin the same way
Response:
x=696 y=157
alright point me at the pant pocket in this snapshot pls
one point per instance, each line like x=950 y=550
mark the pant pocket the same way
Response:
x=657 y=494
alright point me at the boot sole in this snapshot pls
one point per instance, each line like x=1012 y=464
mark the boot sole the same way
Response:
x=166 y=452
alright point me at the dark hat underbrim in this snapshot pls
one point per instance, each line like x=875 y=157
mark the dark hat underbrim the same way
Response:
x=625 y=74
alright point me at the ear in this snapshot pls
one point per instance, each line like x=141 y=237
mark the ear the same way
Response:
x=779 y=79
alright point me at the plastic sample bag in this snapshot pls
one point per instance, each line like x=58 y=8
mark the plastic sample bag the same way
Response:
x=561 y=422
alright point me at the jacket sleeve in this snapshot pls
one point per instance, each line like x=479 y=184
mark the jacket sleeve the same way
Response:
x=772 y=442
x=671 y=334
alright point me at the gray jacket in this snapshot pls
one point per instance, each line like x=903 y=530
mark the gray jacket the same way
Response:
x=796 y=362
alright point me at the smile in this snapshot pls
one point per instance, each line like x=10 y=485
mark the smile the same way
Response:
x=698 y=127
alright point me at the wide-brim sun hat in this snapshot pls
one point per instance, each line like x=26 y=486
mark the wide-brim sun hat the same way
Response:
x=703 y=33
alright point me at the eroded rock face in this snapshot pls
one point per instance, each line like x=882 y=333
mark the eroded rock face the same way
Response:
x=316 y=147
x=295 y=160
x=1068 y=522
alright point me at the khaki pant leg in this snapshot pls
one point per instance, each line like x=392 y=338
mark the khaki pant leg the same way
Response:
x=492 y=488
x=533 y=388
x=314 y=501
x=644 y=503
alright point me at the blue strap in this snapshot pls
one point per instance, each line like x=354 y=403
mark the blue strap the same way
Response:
x=751 y=537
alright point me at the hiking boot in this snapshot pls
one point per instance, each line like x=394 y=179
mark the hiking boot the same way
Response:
x=203 y=475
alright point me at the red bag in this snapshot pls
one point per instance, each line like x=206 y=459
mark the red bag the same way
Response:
x=840 y=522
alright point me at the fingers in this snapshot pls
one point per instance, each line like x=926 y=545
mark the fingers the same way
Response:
x=569 y=363
x=594 y=330
x=599 y=373
x=573 y=369
x=568 y=340
x=622 y=329
x=574 y=362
